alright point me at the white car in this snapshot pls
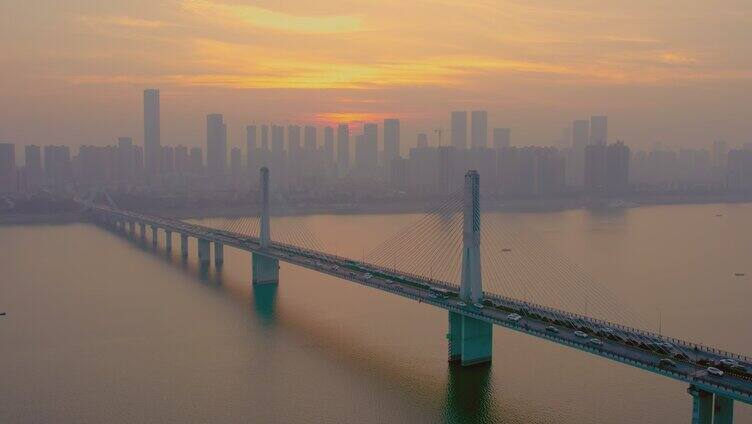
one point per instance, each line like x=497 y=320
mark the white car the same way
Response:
x=580 y=334
x=478 y=305
x=461 y=303
x=514 y=317
x=596 y=342
x=715 y=371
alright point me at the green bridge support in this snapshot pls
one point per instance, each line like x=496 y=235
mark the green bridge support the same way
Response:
x=184 y=245
x=168 y=240
x=265 y=270
x=470 y=340
x=219 y=253
x=154 y=235
x=203 y=251
x=709 y=408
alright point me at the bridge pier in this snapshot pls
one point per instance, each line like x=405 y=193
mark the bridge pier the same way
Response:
x=710 y=408
x=203 y=251
x=723 y=410
x=142 y=227
x=219 y=253
x=265 y=270
x=184 y=245
x=132 y=227
x=470 y=340
x=154 y=235
x=168 y=240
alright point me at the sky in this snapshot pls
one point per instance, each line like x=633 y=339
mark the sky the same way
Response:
x=674 y=72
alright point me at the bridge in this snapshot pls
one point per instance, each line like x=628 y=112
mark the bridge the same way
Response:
x=715 y=378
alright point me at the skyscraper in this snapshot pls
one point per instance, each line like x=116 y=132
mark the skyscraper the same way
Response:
x=252 y=156
x=369 y=148
x=309 y=138
x=502 y=137
x=33 y=161
x=459 y=130
x=7 y=167
x=391 y=142
x=343 y=149
x=126 y=159
x=152 y=143
x=599 y=130
x=479 y=129
x=580 y=134
x=422 y=141
x=328 y=145
x=216 y=144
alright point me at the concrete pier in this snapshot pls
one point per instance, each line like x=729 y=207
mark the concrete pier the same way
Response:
x=154 y=235
x=184 y=245
x=168 y=240
x=219 y=253
x=203 y=251
x=702 y=405
x=142 y=227
x=723 y=410
x=132 y=227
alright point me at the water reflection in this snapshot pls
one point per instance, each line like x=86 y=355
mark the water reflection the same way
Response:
x=468 y=394
x=264 y=302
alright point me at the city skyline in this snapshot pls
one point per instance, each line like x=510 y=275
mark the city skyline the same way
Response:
x=253 y=63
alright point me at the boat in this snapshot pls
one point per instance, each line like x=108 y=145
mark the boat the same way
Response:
x=739 y=274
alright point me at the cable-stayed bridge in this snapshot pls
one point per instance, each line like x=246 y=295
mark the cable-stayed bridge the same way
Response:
x=439 y=261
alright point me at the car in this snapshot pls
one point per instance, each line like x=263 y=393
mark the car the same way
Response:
x=478 y=305
x=728 y=362
x=739 y=368
x=335 y=267
x=596 y=342
x=664 y=362
x=552 y=329
x=715 y=371
x=514 y=317
x=580 y=334
x=461 y=303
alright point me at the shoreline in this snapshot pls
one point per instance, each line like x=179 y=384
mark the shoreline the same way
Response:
x=517 y=205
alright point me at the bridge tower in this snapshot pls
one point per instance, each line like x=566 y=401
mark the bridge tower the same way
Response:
x=265 y=269
x=470 y=339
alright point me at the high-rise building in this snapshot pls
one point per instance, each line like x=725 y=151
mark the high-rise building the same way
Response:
x=182 y=160
x=328 y=145
x=216 y=144
x=126 y=168
x=197 y=160
x=502 y=137
x=343 y=149
x=459 y=130
x=7 y=167
x=309 y=138
x=235 y=163
x=580 y=134
x=33 y=161
x=479 y=129
x=617 y=167
x=265 y=138
x=368 y=150
x=599 y=130
x=422 y=140
x=152 y=143
x=252 y=152
x=278 y=149
x=168 y=160
x=391 y=142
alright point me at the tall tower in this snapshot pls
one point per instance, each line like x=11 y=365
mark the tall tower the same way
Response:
x=216 y=144
x=471 y=286
x=391 y=142
x=265 y=269
x=265 y=233
x=479 y=129
x=459 y=130
x=152 y=148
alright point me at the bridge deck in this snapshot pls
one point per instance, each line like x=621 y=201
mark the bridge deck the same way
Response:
x=629 y=346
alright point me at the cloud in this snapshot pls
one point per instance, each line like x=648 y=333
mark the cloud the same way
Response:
x=270 y=19
x=120 y=21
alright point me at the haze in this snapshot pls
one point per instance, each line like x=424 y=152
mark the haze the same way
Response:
x=675 y=73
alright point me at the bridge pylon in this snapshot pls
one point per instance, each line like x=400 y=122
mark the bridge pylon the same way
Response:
x=470 y=339
x=265 y=269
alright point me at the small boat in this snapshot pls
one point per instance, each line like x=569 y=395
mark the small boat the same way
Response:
x=2 y=314
x=719 y=215
x=506 y=249
x=739 y=274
